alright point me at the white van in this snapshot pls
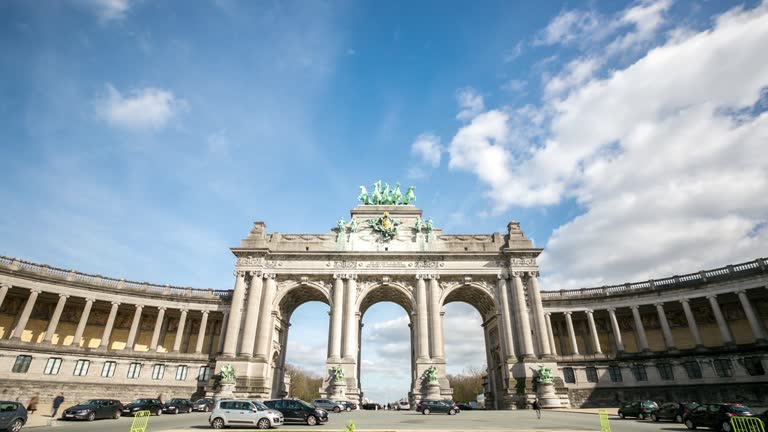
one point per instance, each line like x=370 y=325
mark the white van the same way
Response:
x=239 y=412
x=403 y=405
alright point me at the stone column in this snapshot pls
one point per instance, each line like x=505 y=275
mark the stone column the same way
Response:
x=180 y=331
x=337 y=311
x=264 y=334
x=571 y=333
x=201 y=333
x=506 y=320
x=754 y=322
x=437 y=349
x=108 y=327
x=24 y=318
x=251 y=314
x=350 y=323
x=212 y=329
x=550 y=334
x=725 y=331
x=158 y=327
x=223 y=331
x=134 y=331
x=593 y=331
x=235 y=314
x=668 y=339
x=692 y=326
x=422 y=319
x=3 y=291
x=523 y=321
x=538 y=311
x=639 y=329
x=55 y=318
x=83 y=322
x=616 y=330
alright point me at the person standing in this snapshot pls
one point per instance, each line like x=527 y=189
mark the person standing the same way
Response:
x=32 y=405
x=57 y=401
x=537 y=407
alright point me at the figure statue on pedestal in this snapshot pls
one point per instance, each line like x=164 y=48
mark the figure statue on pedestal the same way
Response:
x=341 y=226
x=337 y=374
x=545 y=375
x=353 y=226
x=431 y=375
x=227 y=374
x=419 y=225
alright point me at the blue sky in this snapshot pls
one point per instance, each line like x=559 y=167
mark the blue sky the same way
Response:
x=141 y=139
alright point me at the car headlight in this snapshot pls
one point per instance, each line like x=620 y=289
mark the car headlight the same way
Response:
x=135 y=408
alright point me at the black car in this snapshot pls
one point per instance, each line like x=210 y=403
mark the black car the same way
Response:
x=154 y=406
x=639 y=409
x=93 y=409
x=13 y=416
x=296 y=410
x=205 y=405
x=675 y=411
x=428 y=407
x=764 y=417
x=465 y=407
x=177 y=406
x=370 y=406
x=716 y=415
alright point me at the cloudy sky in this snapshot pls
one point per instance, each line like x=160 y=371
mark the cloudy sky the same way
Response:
x=142 y=138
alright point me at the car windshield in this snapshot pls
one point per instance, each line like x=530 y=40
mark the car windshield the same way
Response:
x=176 y=401
x=92 y=402
x=260 y=406
x=304 y=404
x=201 y=401
x=739 y=409
x=141 y=401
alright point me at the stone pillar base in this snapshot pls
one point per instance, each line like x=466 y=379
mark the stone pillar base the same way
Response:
x=433 y=392
x=548 y=398
x=225 y=391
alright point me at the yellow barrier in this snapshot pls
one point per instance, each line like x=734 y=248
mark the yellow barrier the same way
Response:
x=604 y=425
x=140 y=420
x=747 y=424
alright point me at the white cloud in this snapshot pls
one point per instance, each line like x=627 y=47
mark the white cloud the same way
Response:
x=516 y=51
x=108 y=10
x=427 y=147
x=646 y=17
x=570 y=27
x=147 y=108
x=470 y=103
x=514 y=85
x=576 y=72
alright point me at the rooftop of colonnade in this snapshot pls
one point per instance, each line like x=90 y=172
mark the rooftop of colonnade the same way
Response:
x=750 y=274
x=34 y=272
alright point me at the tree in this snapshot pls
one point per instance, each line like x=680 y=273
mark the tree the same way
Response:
x=304 y=384
x=467 y=385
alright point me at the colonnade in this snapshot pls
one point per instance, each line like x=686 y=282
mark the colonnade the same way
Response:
x=758 y=331
x=159 y=329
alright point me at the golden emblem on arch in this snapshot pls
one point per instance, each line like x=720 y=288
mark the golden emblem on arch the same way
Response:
x=384 y=225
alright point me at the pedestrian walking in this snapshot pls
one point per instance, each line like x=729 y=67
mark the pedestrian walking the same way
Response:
x=32 y=404
x=57 y=401
x=537 y=407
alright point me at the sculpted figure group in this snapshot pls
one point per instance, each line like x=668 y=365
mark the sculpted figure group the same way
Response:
x=386 y=195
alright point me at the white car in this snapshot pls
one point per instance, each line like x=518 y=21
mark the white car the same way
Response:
x=241 y=412
x=403 y=405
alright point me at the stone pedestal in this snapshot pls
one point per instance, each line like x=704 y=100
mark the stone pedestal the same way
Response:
x=433 y=392
x=225 y=391
x=548 y=398
x=337 y=391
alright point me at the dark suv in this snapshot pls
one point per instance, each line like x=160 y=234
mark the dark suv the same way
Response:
x=154 y=406
x=13 y=416
x=296 y=410
x=716 y=416
x=427 y=407
x=93 y=409
x=177 y=406
x=639 y=409
x=673 y=411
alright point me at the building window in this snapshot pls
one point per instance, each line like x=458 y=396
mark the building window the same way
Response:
x=723 y=368
x=134 y=370
x=754 y=366
x=665 y=371
x=81 y=367
x=53 y=366
x=158 y=371
x=181 y=373
x=22 y=364
x=108 y=371
x=615 y=372
x=693 y=369
x=591 y=374
x=639 y=372
x=204 y=373
x=569 y=376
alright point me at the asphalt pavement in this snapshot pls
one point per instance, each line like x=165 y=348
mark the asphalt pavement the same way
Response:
x=523 y=420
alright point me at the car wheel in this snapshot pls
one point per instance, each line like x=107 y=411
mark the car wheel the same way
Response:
x=263 y=424
x=690 y=425
x=426 y=411
x=336 y=410
x=159 y=412
x=726 y=427
x=311 y=420
x=678 y=418
x=91 y=416
x=217 y=423
x=621 y=415
x=452 y=412
x=116 y=415
x=16 y=425
x=348 y=409
x=206 y=409
x=654 y=417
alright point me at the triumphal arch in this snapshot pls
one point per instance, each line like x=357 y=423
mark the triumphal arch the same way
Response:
x=388 y=251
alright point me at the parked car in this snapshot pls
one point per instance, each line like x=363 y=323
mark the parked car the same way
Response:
x=370 y=406
x=349 y=406
x=296 y=410
x=154 y=406
x=238 y=412
x=673 y=411
x=329 y=405
x=717 y=415
x=764 y=417
x=93 y=409
x=428 y=407
x=465 y=407
x=177 y=406
x=403 y=405
x=13 y=416
x=205 y=405
x=639 y=409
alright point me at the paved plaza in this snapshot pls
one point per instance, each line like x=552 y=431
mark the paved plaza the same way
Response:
x=523 y=420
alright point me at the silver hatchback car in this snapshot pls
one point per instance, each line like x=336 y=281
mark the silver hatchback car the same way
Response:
x=329 y=405
x=240 y=412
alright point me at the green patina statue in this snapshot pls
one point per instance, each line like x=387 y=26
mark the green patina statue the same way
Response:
x=341 y=226
x=386 y=195
x=545 y=375
x=419 y=224
x=384 y=225
x=409 y=196
x=363 y=197
x=431 y=375
x=353 y=226
x=227 y=374
x=429 y=226
x=337 y=374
